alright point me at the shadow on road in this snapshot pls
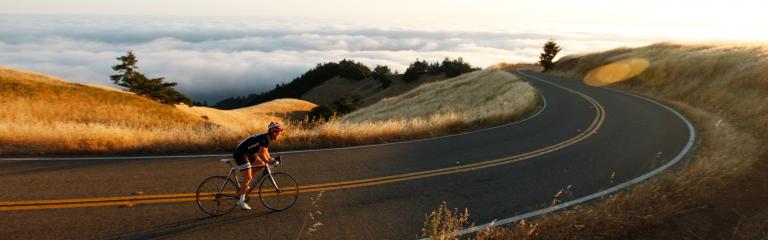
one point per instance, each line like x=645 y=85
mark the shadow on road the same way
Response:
x=27 y=167
x=184 y=227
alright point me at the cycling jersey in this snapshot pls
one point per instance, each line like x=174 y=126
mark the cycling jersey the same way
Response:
x=252 y=143
x=249 y=147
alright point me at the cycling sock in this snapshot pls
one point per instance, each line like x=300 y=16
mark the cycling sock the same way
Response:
x=242 y=198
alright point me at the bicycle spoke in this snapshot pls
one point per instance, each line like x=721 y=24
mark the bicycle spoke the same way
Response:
x=282 y=199
x=215 y=195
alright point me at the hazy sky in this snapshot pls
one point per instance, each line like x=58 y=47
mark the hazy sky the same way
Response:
x=217 y=49
x=703 y=18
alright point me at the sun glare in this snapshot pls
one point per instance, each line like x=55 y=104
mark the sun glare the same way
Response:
x=615 y=72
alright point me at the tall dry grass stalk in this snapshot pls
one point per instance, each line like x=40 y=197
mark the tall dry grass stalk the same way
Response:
x=441 y=223
x=722 y=89
x=40 y=114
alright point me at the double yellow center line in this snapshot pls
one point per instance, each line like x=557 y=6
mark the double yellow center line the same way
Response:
x=183 y=197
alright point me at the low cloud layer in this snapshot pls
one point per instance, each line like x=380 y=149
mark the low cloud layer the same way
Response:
x=216 y=57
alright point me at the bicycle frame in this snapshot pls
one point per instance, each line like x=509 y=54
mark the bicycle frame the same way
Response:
x=210 y=197
x=267 y=172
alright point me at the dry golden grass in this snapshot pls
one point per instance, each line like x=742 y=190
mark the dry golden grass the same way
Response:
x=752 y=227
x=722 y=88
x=253 y=118
x=466 y=102
x=45 y=115
x=41 y=114
x=486 y=94
x=439 y=224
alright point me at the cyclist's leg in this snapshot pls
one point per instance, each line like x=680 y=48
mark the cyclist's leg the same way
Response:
x=245 y=170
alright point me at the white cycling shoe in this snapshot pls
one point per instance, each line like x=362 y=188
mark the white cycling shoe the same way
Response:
x=243 y=205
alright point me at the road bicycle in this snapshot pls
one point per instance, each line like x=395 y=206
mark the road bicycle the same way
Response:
x=217 y=195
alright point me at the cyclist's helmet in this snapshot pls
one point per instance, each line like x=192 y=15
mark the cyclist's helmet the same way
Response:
x=275 y=127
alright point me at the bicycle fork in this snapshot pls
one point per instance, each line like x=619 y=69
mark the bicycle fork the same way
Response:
x=272 y=179
x=237 y=182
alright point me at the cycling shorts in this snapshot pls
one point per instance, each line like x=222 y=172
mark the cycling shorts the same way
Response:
x=243 y=160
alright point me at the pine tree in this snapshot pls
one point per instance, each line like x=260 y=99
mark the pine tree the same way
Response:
x=381 y=73
x=138 y=83
x=550 y=51
x=127 y=76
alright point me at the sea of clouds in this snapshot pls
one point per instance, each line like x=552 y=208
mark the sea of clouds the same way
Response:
x=217 y=57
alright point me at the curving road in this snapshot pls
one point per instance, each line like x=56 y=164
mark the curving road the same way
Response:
x=585 y=139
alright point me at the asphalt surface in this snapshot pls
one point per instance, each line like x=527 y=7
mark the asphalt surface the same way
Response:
x=573 y=143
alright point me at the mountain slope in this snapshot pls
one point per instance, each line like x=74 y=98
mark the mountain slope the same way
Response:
x=368 y=90
x=43 y=114
x=486 y=94
x=432 y=110
x=253 y=117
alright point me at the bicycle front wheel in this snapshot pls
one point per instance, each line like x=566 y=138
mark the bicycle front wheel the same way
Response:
x=217 y=195
x=280 y=194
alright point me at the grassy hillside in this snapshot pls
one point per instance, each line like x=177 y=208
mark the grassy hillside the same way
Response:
x=720 y=193
x=494 y=94
x=41 y=114
x=253 y=118
x=45 y=115
x=368 y=89
x=432 y=109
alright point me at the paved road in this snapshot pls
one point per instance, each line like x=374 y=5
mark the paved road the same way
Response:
x=587 y=138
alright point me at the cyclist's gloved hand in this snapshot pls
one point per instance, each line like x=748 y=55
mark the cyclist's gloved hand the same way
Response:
x=276 y=161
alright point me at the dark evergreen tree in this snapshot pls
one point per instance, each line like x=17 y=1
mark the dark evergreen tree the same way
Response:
x=353 y=70
x=434 y=68
x=382 y=74
x=302 y=84
x=126 y=75
x=415 y=70
x=451 y=68
x=550 y=51
x=346 y=69
x=138 y=83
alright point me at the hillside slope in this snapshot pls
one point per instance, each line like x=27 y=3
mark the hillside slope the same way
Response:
x=41 y=114
x=432 y=110
x=720 y=193
x=369 y=90
x=486 y=94
x=253 y=117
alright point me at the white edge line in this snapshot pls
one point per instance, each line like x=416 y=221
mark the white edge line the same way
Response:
x=541 y=96
x=680 y=156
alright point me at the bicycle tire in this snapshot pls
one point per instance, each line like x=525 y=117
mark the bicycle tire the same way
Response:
x=209 y=193
x=278 y=201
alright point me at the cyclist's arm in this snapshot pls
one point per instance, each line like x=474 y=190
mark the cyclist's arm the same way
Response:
x=264 y=155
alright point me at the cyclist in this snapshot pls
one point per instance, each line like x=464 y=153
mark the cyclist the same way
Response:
x=256 y=149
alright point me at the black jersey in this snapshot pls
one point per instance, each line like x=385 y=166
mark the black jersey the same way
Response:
x=252 y=143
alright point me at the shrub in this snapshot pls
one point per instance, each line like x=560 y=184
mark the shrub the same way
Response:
x=381 y=73
x=451 y=68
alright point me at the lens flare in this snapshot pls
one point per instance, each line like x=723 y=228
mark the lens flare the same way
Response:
x=615 y=72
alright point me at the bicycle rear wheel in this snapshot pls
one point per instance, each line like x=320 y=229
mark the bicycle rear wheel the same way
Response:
x=217 y=195
x=281 y=197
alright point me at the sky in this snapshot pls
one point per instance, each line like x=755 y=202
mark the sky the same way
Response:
x=218 y=49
